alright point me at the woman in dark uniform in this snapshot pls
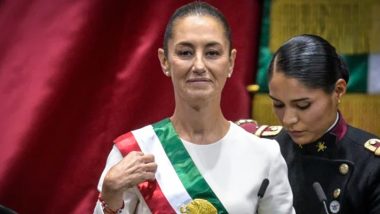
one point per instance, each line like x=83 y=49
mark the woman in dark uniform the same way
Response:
x=307 y=80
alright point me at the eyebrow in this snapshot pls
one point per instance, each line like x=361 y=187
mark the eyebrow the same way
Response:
x=185 y=44
x=293 y=101
x=191 y=45
x=213 y=44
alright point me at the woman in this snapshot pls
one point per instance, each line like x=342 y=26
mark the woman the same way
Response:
x=196 y=161
x=307 y=80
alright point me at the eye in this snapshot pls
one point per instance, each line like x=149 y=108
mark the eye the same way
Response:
x=303 y=106
x=184 y=53
x=212 y=53
x=277 y=104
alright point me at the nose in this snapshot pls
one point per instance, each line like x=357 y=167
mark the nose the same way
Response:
x=199 y=64
x=289 y=118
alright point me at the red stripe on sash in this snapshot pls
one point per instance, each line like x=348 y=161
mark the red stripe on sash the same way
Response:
x=150 y=190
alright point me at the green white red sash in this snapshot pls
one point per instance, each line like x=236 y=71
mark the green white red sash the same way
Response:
x=178 y=181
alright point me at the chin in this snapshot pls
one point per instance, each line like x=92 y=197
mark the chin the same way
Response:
x=301 y=140
x=201 y=94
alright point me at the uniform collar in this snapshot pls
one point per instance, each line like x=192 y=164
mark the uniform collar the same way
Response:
x=340 y=129
x=326 y=146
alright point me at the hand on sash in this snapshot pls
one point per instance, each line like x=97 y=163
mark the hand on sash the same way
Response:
x=134 y=168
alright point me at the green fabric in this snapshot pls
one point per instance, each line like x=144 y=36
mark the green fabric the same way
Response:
x=265 y=54
x=184 y=166
x=358 y=67
x=357 y=64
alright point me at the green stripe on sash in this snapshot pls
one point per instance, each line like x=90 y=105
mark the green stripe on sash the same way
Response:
x=187 y=172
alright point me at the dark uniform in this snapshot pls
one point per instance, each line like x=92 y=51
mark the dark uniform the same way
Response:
x=345 y=161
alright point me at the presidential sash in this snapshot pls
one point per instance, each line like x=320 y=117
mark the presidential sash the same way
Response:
x=179 y=186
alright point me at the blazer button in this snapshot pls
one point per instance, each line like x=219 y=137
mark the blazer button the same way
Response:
x=336 y=193
x=344 y=168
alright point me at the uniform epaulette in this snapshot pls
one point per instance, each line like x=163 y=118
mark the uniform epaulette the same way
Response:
x=268 y=131
x=248 y=124
x=373 y=145
x=259 y=130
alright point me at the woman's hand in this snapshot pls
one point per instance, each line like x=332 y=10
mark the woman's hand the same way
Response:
x=133 y=169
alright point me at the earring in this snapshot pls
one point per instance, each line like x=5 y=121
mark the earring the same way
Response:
x=229 y=75
x=167 y=73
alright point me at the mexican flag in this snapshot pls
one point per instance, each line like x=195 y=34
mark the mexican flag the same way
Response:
x=352 y=26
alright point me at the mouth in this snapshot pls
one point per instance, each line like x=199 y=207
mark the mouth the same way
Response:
x=294 y=133
x=198 y=80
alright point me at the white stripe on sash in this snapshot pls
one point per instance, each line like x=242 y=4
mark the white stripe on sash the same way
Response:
x=170 y=184
x=373 y=84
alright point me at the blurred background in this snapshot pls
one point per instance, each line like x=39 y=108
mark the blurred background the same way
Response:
x=74 y=75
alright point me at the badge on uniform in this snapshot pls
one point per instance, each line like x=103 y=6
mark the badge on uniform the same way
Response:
x=334 y=206
x=373 y=145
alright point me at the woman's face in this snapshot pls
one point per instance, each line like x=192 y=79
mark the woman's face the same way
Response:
x=304 y=112
x=198 y=59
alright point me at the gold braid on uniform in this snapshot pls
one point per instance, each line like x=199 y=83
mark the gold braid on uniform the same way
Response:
x=373 y=145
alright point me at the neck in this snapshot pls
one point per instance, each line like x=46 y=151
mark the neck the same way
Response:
x=199 y=124
x=335 y=122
